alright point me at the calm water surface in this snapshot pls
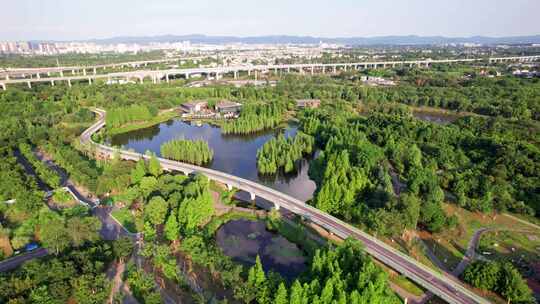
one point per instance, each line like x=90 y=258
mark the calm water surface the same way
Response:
x=243 y=240
x=234 y=154
x=438 y=118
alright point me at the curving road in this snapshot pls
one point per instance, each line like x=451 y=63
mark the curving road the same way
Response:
x=14 y=262
x=439 y=284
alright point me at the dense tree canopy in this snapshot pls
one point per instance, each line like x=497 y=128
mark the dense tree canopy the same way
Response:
x=501 y=277
x=192 y=151
x=282 y=153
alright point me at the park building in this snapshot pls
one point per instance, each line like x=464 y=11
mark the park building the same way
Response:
x=226 y=106
x=195 y=106
x=308 y=103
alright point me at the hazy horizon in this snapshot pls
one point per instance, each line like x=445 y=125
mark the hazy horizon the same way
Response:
x=99 y=19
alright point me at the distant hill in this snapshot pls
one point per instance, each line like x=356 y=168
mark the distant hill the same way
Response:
x=382 y=40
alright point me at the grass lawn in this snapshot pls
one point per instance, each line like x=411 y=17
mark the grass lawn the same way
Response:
x=127 y=219
x=413 y=249
x=450 y=246
x=141 y=125
x=406 y=284
x=63 y=198
x=520 y=248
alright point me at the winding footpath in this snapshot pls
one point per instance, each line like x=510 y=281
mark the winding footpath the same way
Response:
x=442 y=285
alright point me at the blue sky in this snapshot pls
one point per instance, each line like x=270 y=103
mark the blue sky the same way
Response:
x=82 y=19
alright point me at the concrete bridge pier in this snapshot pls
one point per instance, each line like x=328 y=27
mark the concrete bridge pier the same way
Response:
x=52 y=83
x=37 y=75
x=29 y=84
x=277 y=206
x=89 y=80
x=187 y=75
x=249 y=72
x=84 y=71
x=61 y=73
x=141 y=79
x=229 y=187
x=7 y=76
x=335 y=69
x=312 y=70
x=95 y=71
x=235 y=75
x=288 y=69
x=69 y=82
x=252 y=196
x=3 y=85
x=167 y=78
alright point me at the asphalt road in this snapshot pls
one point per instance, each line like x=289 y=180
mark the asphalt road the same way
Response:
x=14 y=262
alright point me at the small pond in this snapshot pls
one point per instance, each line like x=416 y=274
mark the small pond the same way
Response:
x=243 y=240
x=436 y=117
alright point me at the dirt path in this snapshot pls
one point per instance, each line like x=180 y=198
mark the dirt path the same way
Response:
x=115 y=274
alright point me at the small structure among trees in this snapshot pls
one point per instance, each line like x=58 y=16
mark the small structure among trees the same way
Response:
x=308 y=103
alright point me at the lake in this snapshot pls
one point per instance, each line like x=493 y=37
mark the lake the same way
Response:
x=233 y=154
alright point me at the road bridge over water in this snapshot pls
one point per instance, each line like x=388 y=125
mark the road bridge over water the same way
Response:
x=442 y=285
x=156 y=76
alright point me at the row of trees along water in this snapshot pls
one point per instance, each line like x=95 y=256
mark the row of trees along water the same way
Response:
x=119 y=116
x=256 y=117
x=283 y=152
x=192 y=151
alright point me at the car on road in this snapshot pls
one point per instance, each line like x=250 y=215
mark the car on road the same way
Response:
x=31 y=247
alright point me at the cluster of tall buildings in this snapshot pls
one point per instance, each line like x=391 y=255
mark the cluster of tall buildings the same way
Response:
x=54 y=48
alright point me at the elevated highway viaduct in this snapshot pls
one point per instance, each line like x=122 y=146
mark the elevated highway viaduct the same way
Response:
x=165 y=75
x=442 y=285
x=61 y=71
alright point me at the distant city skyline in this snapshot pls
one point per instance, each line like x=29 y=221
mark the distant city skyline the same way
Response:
x=81 y=20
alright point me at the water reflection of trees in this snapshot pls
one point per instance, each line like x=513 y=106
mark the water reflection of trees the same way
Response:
x=253 y=136
x=282 y=176
x=138 y=135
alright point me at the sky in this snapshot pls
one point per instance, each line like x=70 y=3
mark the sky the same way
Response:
x=87 y=19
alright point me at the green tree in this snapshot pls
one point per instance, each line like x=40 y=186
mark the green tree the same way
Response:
x=281 y=295
x=513 y=287
x=172 y=229
x=122 y=247
x=54 y=236
x=81 y=230
x=154 y=167
x=90 y=289
x=138 y=172
x=297 y=294
x=41 y=295
x=194 y=211
x=156 y=210
x=148 y=185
